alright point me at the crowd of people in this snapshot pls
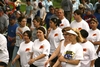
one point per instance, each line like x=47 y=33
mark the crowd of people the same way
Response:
x=48 y=36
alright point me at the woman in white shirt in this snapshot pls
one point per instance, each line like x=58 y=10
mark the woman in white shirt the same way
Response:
x=94 y=37
x=89 y=52
x=55 y=37
x=73 y=52
x=24 y=50
x=41 y=49
x=59 y=50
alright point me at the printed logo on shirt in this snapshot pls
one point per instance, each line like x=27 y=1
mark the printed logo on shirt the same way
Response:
x=56 y=34
x=27 y=49
x=84 y=49
x=61 y=24
x=79 y=28
x=94 y=34
x=41 y=47
x=69 y=55
x=19 y=35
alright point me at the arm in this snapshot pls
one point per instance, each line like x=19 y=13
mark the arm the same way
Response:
x=16 y=58
x=74 y=62
x=92 y=63
x=37 y=58
x=54 y=54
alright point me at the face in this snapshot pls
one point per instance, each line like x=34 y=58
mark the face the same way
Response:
x=60 y=14
x=17 y=15
x=52 y=25
x=93 y=25
x=25 y=37
x=75 y=16
x=23 y=22
x=40 y=34
x=51 y=10
x=12 y=21
x=36 y=24
x=72 y=37
x=66 y=36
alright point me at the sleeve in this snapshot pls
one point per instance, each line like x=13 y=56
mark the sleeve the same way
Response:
x=92 y=52
x=79 y=53
x=61 y=35
x=46 y=49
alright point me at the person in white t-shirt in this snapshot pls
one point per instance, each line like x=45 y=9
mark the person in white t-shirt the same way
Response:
x=73 y=52
x=24 y=52
x=19 y=33
x=54 y=36
x=94 y=37
x=4 y=56
x=40 y=49
x=89 y=52
x=64 y=21
x=79 y=23
x=59 y=50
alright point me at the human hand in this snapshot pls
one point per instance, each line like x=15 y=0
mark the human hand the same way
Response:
x=46 y=63
x=31 y=61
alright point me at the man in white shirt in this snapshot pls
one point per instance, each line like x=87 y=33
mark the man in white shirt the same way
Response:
x=4 y=56
x=79 y=23
x=64 y=21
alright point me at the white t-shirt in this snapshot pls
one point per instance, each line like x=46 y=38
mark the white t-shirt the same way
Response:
x=94 y=35
x=89 y=54
x=24 y=52
x=64 y=23
x=4 y=56
x=80 y=25
x=54 y=37
x=18 y=37
x=41 y=47
x=77 y=51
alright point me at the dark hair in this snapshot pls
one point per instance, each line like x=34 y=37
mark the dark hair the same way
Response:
x=56 y=21
x=78 y=12
x=51 y=6
x=42 y=29
x=84 y=33
x=28 y=33
x=27 y=0
x=40 y=5
x=20 y=18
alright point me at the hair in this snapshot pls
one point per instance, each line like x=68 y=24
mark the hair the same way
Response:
x=66 y=29
x=20 y=18
x=40 y=5
x=84 y=33
x=78 y=12
x=79 y=37
x=28 y=33
x=38 y=19
x=42 y=29
x=61 y=10
x=51 y=6
x=95 y=20
x=56 y=21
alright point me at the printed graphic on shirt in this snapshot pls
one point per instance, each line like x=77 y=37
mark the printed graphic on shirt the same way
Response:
x=69 y=55
x=56 y=34
x=41 y=47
